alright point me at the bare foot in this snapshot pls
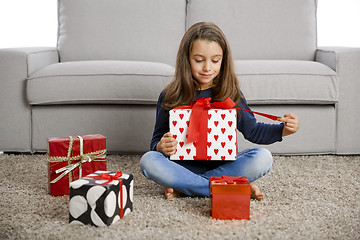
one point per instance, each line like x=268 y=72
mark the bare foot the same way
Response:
x=170 y=193
x=255 y=193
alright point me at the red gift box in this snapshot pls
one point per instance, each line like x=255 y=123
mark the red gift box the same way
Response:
x=204 y=130
x=70 y=158
x=230 y=197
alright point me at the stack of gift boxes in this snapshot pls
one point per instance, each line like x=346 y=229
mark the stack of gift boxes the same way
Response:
x=77 y=167
x=204 y=131
x=207 y=131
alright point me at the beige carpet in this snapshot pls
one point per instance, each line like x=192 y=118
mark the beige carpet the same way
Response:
x=307 y=197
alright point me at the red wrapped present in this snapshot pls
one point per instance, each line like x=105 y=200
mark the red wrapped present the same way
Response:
x=70 y=158
x=205 y=130
x=230 y=197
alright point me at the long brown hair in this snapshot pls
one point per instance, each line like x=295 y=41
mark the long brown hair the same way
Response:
x=181 y=90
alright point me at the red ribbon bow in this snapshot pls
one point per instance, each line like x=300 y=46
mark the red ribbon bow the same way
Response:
x=198 y=115
x=108 y=177
x=229 y=180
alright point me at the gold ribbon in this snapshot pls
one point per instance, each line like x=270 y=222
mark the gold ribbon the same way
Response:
x=82 y=158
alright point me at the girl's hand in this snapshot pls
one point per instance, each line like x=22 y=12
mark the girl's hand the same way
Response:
x=291 y=124
x=167 y=144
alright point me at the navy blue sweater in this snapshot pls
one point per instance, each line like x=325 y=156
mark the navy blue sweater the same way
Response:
x=252 y=130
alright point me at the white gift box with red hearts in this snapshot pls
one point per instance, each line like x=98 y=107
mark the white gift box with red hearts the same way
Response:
x=221 y=135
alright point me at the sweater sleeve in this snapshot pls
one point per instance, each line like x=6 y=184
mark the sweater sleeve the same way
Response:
x=257 y=132
x=161 y=124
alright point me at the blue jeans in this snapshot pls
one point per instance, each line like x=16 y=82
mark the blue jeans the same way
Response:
x=192 y=177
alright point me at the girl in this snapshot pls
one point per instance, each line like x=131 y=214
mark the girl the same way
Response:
x=204 y=68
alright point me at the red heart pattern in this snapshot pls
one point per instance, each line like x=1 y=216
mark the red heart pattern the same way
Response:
x=220 y=133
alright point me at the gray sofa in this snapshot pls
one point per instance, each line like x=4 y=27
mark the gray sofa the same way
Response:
x=113 y=58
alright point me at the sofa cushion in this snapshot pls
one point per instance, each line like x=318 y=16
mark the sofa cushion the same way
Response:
x=97 y=82
x=133 y=30
x=130 y=82
x=287 y=82
x=262 y=29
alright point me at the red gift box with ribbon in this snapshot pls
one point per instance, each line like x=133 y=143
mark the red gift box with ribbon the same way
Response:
x=230 y=197
x=70 y=158
x=204 y=130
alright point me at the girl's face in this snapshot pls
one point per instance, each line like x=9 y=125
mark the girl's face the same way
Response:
x=205 y=62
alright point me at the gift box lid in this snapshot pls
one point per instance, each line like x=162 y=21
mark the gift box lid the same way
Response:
x=102 y=178
x=62 y=143
x=229 y=185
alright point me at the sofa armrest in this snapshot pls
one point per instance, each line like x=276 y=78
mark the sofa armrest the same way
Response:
x=16 y=64
x=346 y=62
